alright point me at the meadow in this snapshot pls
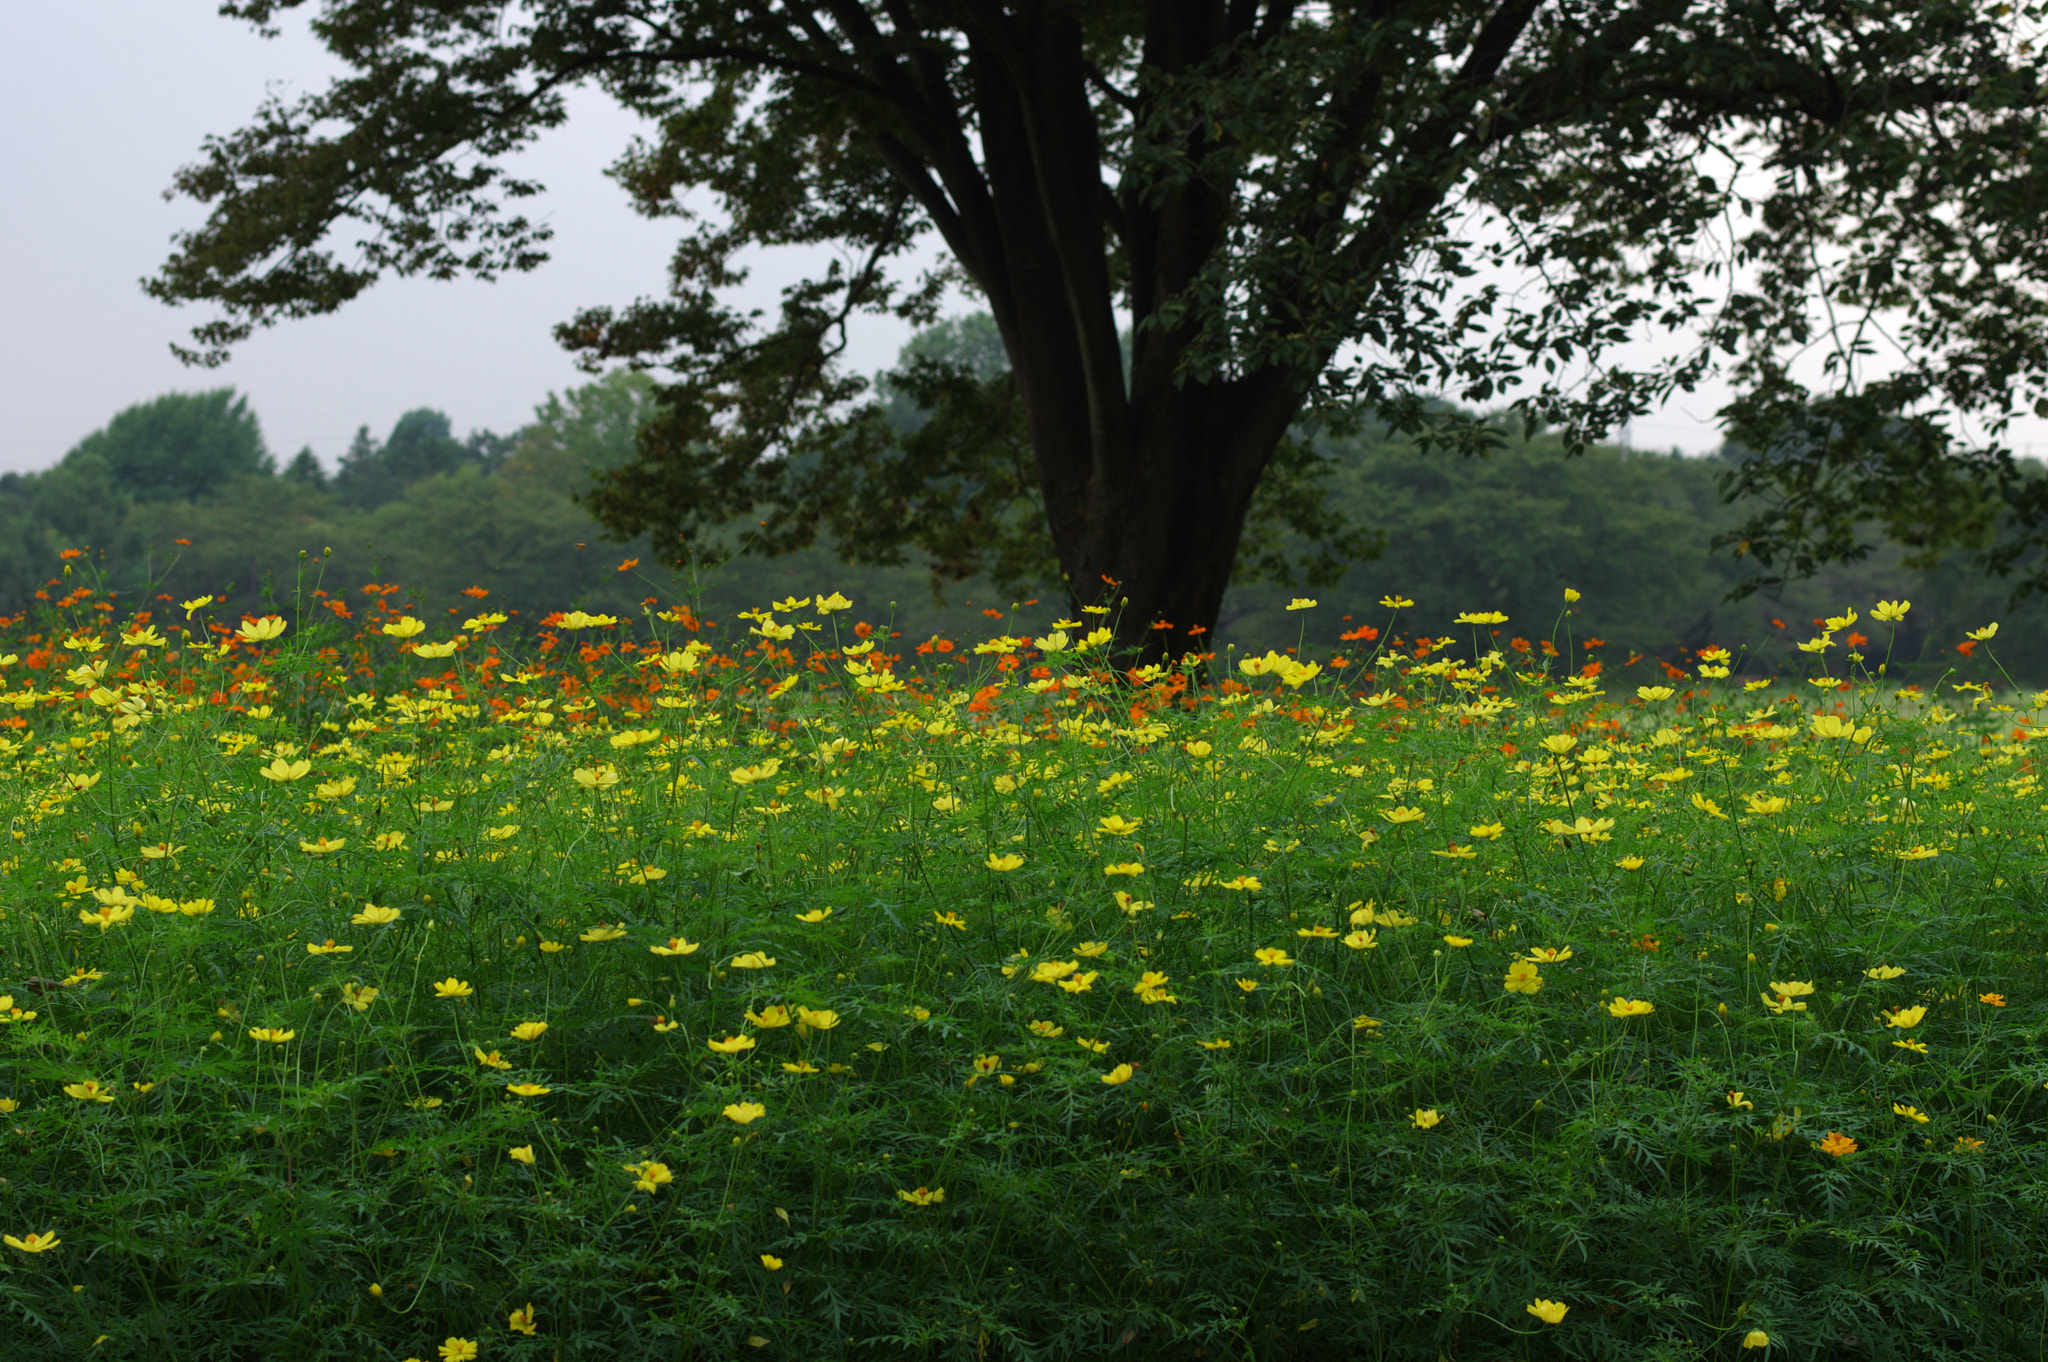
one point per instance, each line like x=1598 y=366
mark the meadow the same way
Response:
x=398 y=986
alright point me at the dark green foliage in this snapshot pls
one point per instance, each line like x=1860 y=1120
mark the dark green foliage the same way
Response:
x=179 y=447
x=1421 y=211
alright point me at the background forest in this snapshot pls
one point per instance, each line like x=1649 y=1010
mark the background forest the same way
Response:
x=437 y=514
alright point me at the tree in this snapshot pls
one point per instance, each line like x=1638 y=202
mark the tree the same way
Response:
x=1348 y=207
x=421 y=445
x=179 y=446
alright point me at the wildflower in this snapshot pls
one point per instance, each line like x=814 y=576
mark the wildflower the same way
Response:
x=1007 y=861
x=741 y=1113
x=1425 y=1118
x=1548 y=955
x=327 y=948
x=88 y=1090
x=1654 y=693
x=602 y=933
x=749 y=775
x=771 y=1262
x=1836 y=1145
x=271 y=1034
x=387 y=841
x=1487 y=832
x=1092 y=950
x=1272 y=956
x=1631 y=863
x=324 y=846
x=1917 y=1047
x=1883 y=972
x=527 y=1090
x=1460 y=942
x=358 y=998
x=189 y=606
x=922 y=1196
x=1097 y=1047
x=1550 y=1312
x=31 y=1243
x=1124 y=868
x=1994 y=999
x=374 y=916
x=1905 y=1017
x=676 y=946
x=1757 y=1338
x=1362 y=940
x=1738 y=1102
x=405 y=626
x=1131 y=906
x=648 y=1176
x=1197 y=749
x=1116 y=825
x=1523 y=978
x=452 y=987
x=282 y=770
x=1964 y=1144
x=1400 y=813
x=270 y=627
x=732 y=1045
x=455 y=1349
x=778 y=1015
x=521 y=1153
x=1910 y=1113
x=493 y=1060
x=1627 y=1007
x=1248 y=985
x=106 y=915
x=521 y=1321
x=1248 y=883
x=1918 y=853
x=1120 y=1074
x=753 y=960
x=599 y=777
x=1781 y=1004
x=424 y=1103
x=1984 y=634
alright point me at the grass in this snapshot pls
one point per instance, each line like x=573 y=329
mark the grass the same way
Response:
x=664 y=990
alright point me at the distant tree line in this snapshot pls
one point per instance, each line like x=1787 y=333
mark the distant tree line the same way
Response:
x=180 y=496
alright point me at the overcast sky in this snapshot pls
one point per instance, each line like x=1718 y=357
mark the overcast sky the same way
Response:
x=102 y=100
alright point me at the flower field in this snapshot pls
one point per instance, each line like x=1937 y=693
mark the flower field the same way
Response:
x=397 y=985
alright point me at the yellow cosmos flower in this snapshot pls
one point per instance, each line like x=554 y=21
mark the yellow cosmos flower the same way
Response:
x=1362 y=940
x=1630 y=1007
x=435 y=651
x=327 y=948
x=374 y=915
x=388 y=841
x=1836 y=1145
x=521 y=1153
x=744 y=1113
x=1459 y=942
x=521 y=1321
x=1247 y=883
x=1097 y=1047
x=88 y=1090
x=527 y=1089
x=1116 y=825
x=676 y=946
x=1737 y=1101
x=405 y=626
x=280 y=769
x=1910 y=1113
x=1007 y=861
x=1523 y=978
x=457 y=1350
x=1124 y=868
x=777 y=1015
x=1757 y=1338
x=1550 y=1312
x=818 y=1019
x=1905 y=1017
x=493 y=1060
x=1052 y=971
x=1272 y=956
x=1988 y=632
x=324 y=846
x=648 y=1176
x=749 y=775
x=1214 y=1044
x=1890 y=610
x=1120 y=1074
x=31 y=1243
x=358 y=998
x=922 y=1196
x=1425 y=1118
x=271 y=626
x=1092 y=950
x=753 y=960
x=1631 y=863
x=816 y=915
x=602 y=933
x=600 y=777
x=732 y=1045
x=1401 y=813
x=1881 y=973
x=551 y=947
x=452 y=987
x=271 y=1034
x=1549 y=955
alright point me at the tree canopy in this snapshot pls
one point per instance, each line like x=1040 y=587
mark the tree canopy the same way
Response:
x=1341 y=208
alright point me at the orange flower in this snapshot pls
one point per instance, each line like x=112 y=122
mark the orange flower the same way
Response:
x=1836 y=1144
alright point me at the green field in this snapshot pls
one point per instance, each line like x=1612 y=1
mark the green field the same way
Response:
x=778 y=988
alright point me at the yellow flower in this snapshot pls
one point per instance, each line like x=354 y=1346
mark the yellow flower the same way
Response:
x=1654 y=692
x=1550 y=1312
x=1918 y=853
x=753 y=960
x=1116 y=825
x=551 y=947
x=922 y=1196
x=1301 y=603
x=1905 y=1017
x=452 y=987
x=748 y=775
x=405 y=626
x=521 y=1321
x=1883 y=972
x=1707 y=806
x=424 y=1103
x=648 y=1176
x=1085 y=980
x=1008 y=861
x=1781 y=1004
x=1098 y=1047
x=1401 y=813
x=31 y=1243
x=1396 y=602
x=1272 y=956
x=1757 y=1338
x=771 y=1262
x=1792 y=988
x=323 y=846
x=600 y=777
x=358 y=998
x=1836 y=1144
x=818 y=1019
x=88 y=1090
x=1124 y=868
x=435 y=651
x=1627 y=1007
x=375 y=916
x=1557 y=744
x=602 y=933
x=1549 y=955
x=1197 y=749
x=778 y=1015
x=271 y=1034
x=1523 y=978
x=1910 y=1113
x=387 y=841
x=732 y=1045
x=827 y=604
x=1362 y=941
x=493 y=1060
x=527 y=1090
x=521 y=1153
x=1987 y=632
x=280 y=769
x=195 y=603
x=741 y=1113
x=1120 y=1074
x=1915 y=1046
x=1486 y=832
x=1459 y=942
x=1248 y=883
x=1738 y=1102
x=270 y=627
x=1570 y=595
x=327 y=948
x=1425 y=1118
x=1890 y=610
x=455 y=1349
x=676 y=946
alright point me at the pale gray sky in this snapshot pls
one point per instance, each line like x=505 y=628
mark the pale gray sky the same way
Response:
x=102 y=100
